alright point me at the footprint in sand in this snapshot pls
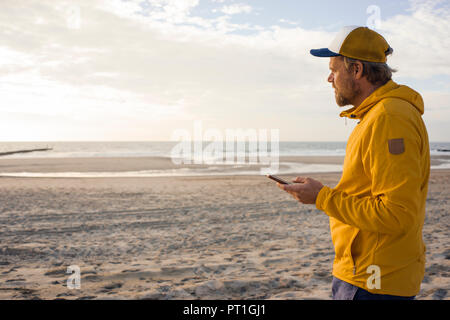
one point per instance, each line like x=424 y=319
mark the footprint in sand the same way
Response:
x=113 y=286
x=439 y=294
x=15 y=280
x=87 y=298
x=10 y=270
x=60 y=272
x=131 y=270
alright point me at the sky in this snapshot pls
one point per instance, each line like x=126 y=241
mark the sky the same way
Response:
x=116 y=70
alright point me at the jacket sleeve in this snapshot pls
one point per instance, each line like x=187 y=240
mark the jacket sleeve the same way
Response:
x=396 y=175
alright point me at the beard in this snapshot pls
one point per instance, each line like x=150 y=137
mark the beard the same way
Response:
x=346 y=95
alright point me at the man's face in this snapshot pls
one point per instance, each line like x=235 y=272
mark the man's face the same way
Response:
x=345 y=86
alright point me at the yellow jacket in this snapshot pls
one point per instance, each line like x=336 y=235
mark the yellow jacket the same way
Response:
x=377 y=209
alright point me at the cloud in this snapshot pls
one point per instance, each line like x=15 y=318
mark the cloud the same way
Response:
x=420 y=40
x=236 y=9
x=293 y=23
x=152 y=67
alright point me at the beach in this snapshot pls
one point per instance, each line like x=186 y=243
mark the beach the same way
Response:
x=179 y=237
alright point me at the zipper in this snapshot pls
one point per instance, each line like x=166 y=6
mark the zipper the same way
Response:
x=351 y=257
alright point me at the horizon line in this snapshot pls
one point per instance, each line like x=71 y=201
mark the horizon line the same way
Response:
x=58 y=141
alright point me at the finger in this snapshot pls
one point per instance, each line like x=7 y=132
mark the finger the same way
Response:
x=281 y=186
x=300 y=180
x=292 y=187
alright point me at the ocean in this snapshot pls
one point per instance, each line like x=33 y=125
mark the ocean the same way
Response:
x=74 y=149
x=165 y=149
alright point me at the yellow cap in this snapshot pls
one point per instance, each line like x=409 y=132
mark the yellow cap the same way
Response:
x=356 y=42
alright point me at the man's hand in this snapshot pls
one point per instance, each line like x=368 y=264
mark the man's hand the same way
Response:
x=304 y=190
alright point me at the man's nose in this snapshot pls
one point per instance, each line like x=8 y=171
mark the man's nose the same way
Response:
x=330 y=78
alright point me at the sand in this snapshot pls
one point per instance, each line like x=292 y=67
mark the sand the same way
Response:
x=228 y=237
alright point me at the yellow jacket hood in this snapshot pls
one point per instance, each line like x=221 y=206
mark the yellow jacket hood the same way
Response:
x=389 y=90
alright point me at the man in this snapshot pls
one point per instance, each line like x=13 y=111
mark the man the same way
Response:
x=377 y=209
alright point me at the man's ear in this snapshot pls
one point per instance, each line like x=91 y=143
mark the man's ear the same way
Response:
x=358 y=69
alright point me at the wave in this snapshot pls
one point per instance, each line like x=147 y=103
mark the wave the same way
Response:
x=285 y=168
x=164 y=149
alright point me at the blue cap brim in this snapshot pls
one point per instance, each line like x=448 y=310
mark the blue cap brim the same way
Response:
x=323 y=53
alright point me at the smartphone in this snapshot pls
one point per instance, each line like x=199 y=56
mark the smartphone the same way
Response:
x=277 y=179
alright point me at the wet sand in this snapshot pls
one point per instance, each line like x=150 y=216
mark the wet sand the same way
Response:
x=8 y=165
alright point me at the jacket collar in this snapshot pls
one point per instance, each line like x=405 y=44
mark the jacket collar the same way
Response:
x=359 y=111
